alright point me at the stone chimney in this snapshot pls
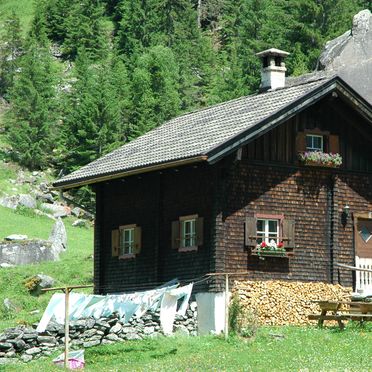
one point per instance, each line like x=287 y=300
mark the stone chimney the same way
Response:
x=273 y=69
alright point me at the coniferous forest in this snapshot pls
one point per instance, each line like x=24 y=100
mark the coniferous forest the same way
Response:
x=91 y=75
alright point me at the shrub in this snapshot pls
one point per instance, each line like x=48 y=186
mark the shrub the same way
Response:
x=242 y=321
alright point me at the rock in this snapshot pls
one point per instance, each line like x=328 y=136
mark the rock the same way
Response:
x=58 y=236
x=5 y=345
x=41 y=282
x=27 y=252
x=5 y=265
x=102 y=325
x=132 y=336
x=33 y=351
x=10 y=354
x=127 y=329
x=9 y=305
x=112 y=337
x=43 y=187
x=193 y=306
x=148 y=330
x=18 y=344
x=79 y=223
x=27 y=201
x=15 y=237
x=181 y=329
x=107 y=342
x=91 y=343
x=57 y=210
x=26 y=358
x=45 y=197
x=30 y=336
x=89 y=333
x=76 y=211
x=116 y=328
x=9 y=202
x=46 y=340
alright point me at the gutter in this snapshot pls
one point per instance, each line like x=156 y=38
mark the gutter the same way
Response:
x=65 y=185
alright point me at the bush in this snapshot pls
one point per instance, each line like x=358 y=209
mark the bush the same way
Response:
x=242 y=322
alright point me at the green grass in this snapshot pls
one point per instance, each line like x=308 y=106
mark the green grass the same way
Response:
x=301 y=349
x=75 y=266
x=23 y=9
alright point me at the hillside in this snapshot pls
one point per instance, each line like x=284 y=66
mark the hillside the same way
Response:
x=75 y=265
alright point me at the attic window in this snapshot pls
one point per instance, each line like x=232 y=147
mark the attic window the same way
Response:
x=314 y=142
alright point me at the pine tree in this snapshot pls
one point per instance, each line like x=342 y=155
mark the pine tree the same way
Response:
x=31 y=120
x=85 y=30
x=92 y=124
x=11 y=52
x=154 y=89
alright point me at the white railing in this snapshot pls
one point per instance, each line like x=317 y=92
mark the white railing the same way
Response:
x=363 y=278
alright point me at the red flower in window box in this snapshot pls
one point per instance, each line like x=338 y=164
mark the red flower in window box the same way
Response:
x=263 y=245
x=280 y=245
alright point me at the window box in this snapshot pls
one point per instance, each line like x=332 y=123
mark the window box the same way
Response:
x=320 y=159
x=268 y=252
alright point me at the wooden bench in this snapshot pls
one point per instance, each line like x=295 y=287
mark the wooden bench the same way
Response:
x=359 y=311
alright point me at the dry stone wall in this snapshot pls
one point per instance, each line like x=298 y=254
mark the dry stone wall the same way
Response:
x=277 y=302
x=26 y=344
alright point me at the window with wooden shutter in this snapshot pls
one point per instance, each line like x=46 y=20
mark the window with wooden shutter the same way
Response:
x=115 y=244
x=137 y=240
x=199 y=231
x=289 y=233
x=250 y=231
x=188 y=233
x=270 y=235
x=301 y=142
x=334 y=144
x=175 y=234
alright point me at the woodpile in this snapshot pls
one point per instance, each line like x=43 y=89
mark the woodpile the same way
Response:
x=277 y=302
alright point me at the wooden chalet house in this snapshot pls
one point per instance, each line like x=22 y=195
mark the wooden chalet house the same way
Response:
x=206 y=191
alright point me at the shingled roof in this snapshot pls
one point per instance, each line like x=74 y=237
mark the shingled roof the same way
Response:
x=203 y=135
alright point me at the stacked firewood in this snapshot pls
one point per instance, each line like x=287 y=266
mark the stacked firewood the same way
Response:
x=280 y=303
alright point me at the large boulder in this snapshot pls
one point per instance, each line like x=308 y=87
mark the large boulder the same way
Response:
x=26 y=252
x=58 y=236
x=27 y=201
x=57 y=210
x=348 y=56
x=10 y=201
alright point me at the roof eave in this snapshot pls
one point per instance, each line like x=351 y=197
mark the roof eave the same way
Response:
x=220 y=151
x=65 y=185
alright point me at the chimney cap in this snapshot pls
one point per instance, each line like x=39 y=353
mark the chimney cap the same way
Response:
x=272 y=52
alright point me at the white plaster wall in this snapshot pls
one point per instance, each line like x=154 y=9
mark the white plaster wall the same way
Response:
x=211 y=312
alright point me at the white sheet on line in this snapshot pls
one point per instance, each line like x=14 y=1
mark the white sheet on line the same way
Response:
x=126 y=305
x=168 y=306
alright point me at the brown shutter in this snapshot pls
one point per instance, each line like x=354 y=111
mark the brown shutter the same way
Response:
x=301 y=142
x=115 y=243
x=334 y=144
x=289 y=232
x=137 y=240
x=250 y=231
x=175 y=234
x=199 y=231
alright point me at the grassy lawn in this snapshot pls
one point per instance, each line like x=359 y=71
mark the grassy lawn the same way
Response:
x=23 y=9
x=301 y=349
x=75 y=266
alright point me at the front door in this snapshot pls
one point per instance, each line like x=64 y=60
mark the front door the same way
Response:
x=363 y=254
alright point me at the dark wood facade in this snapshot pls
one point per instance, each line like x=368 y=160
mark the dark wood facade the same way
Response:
x=267 y=179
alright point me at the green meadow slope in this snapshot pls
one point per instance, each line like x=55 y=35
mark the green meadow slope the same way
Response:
x=75 y=265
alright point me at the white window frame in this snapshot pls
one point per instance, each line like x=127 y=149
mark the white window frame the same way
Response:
x=312 y=148
x=266 y=231
x=188 y=240
x=127 y=246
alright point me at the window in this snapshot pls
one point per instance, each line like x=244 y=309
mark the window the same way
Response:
x=314 y=142
x=187 y=233
x=263 y=227
x=267 y=230
x=126 y=241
